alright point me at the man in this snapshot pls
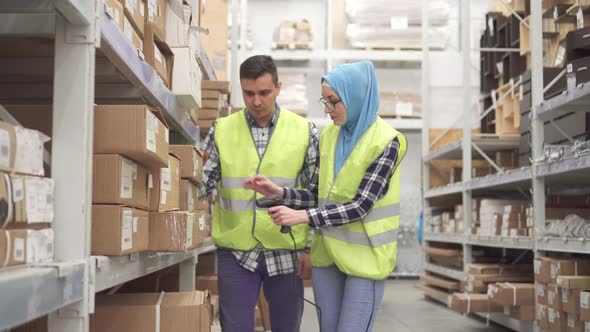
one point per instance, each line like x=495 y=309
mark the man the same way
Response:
x=262 y=139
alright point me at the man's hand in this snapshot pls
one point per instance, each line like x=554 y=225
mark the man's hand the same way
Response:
x=284 y=216
x=304 y=267
x=262 y=185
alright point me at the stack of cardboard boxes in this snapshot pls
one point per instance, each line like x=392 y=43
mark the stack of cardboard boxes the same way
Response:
x=213 y=93
x=502 y=218
x=562 y=302
x=137 y=185
x=26 y=198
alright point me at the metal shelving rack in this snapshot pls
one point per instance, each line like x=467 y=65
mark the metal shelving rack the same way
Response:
x=82 y=30
x=556 y=173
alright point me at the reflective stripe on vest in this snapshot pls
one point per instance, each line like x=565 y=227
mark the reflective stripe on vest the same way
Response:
x=362 y=239
x=238 y=182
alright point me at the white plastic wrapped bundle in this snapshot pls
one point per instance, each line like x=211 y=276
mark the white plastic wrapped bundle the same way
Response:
x=381 y=11
x=293 y=94
x=365 y=36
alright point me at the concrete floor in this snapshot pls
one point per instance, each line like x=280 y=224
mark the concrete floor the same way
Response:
x=405 y=309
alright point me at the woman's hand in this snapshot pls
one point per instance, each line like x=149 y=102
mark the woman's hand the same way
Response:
x=262 y=185
x=284 y=216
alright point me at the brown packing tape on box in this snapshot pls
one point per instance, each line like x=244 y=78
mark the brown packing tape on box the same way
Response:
x=134 y=131
x=164 y=186
x=468 y=303
x=171 y=231
x=118 y=230
x=574 y=282
x=120 y=181
x=191 y=162
x=152 y=312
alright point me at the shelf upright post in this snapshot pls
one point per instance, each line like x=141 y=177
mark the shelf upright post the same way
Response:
x=467 y=123
x=73 y=120
x=425 y=91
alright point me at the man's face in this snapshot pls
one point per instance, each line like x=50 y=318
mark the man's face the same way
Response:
x=260 y=96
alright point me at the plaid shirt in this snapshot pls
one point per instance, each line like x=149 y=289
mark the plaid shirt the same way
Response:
x=373 y=187
x=277 y=261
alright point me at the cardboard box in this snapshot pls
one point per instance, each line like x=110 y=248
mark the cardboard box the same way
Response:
x=133 y=131
x=207 y=283
x=557 y=320
x=211 y=94
x=186 y=78
x=524 y=312
x=221 y=86
x=207 y=264
x=132 y=34
x=183 y=311
x=512 y=294
x=120 y=181
x=201 y=228
x=215 y=307
x=574 y=282
x=467 y=303
x=156 y=16
x=574 y=324
x=191 y=162
x=172 y=231
x=215 y=18
x=25 y=246
x=585 y=305
x=541 y=293
x=119 y=230
x=542 y=268
x=208 y=113
x=178 y=16
x=21 y=150
x=205 y=125
x=569 y=267
x=211 y=103
x=31 y=198
x=188 y=196
x=135 y=12
x=570 y=300
x=165 y=187
x=115 y=10
x=499 y=268
x=202 y=205
x=159 y=55
x=554 y=297
x=541 y=317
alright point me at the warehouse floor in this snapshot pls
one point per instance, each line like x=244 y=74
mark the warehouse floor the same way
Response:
x=405 y=309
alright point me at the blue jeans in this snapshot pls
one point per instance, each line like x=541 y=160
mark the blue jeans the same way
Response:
x=346 y=303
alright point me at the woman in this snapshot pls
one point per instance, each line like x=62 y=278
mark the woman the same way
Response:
x=357 y=197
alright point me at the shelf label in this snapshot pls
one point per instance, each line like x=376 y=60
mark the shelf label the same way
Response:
x=127 y=230
x=189 y=230
x=126 y=179
x=584 y=296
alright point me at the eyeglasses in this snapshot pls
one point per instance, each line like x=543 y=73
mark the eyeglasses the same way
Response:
x=331 y=105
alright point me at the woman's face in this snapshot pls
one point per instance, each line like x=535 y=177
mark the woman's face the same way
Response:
x=333 y=105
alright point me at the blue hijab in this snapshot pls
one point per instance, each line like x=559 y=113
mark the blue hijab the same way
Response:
x=356 y=85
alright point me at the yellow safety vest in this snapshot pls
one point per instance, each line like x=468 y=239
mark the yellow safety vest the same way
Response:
x=365 y=248
x=237 y=222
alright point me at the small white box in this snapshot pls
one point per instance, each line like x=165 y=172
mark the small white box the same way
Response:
x=186 y=78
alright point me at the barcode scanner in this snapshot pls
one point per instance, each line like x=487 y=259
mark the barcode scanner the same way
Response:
x=272 y=201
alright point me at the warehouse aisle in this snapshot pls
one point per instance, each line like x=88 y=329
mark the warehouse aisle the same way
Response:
x=405 y=309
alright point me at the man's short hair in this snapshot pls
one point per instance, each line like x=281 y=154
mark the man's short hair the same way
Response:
x=258 y=65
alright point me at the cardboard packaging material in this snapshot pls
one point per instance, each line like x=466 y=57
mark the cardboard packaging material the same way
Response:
x=116 y=11
x=574 y=282
x=557 y=320
x=31 y=199
x=152 y=312
x=186 y=78
x=570 y=301
x=156 y=16
x=21 y=150
x=221 y=86
x=120 y=181
x=132 y=131
x=211 y=103
x=172 y=231
x=568 y=267
x=499 y=268
x=207 y=264
x=211 y=94
x=467 y=303
x=542 y=268
x=132 y=34
x=158 y=54
x=202 y=229
x=554 y=297
x=208 y=114
x=25 y=246
x=191 y=162
x=215 y=307
x=524 y=312
x=512 y=294
x=585 y=305
x=189 y=194
x=207 y=283
x=541 y=316
x=135 y=12
x=119 y=230
x=164 y=187
x=574 y=324
x=541 y=293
